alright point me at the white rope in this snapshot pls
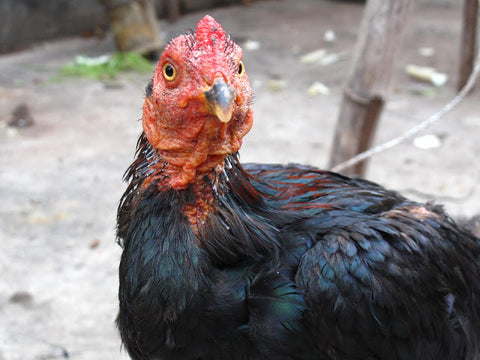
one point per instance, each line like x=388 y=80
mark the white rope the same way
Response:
x=424 y=124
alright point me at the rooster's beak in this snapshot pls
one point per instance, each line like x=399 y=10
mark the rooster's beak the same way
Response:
x=220 y=98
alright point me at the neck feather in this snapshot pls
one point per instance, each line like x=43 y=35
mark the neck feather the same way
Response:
x=229 y=216
x=204 y=182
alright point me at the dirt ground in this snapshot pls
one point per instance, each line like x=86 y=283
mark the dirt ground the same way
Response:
x=60 y=179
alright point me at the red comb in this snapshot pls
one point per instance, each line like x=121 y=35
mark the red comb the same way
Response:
x=209 y=32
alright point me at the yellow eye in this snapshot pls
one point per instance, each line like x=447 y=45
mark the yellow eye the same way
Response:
x=169 y=72
x=241 y=68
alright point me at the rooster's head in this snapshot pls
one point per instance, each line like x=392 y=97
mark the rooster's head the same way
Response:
x=197 y=108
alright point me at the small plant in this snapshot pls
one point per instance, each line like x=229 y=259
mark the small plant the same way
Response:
x=107 y=66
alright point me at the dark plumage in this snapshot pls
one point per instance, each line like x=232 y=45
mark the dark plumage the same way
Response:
x=280 y=262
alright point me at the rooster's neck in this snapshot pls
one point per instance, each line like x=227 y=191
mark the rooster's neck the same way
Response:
x=221 y=182
x=197 y=186
x=202 y=203
x=186 y=176
x=219 y=207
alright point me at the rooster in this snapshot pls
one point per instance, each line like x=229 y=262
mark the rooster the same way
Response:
x=229 y=261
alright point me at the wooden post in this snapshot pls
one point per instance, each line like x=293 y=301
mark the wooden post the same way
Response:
x=173 y=10
x=134 y=25
x=377 y=47
x=468 y=42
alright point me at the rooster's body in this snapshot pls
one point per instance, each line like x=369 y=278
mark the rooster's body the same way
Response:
x=224 y=261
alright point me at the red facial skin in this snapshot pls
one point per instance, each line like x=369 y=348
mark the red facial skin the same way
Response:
x=180 y=122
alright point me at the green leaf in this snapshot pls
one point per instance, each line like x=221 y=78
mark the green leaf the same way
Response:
x=107 y=66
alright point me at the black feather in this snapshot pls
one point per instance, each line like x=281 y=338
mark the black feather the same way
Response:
x=149 y=88
x=292 y=263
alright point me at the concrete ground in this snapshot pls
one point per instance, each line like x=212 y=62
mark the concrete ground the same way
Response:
x=60 y=179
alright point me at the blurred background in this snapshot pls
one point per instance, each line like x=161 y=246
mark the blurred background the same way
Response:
x=70 y=105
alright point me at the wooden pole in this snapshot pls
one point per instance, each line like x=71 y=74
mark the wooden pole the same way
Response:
x=173 y=10
x=469 y=41
x=376 y=50
x=134 y=25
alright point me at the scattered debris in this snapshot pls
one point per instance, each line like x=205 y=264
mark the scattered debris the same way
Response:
x=423 y=90
x=427 y=142
x=318 y=88
x=329 y=36
x=95 y=243
x=252 y=45
x=277 y=84
x=321 y=57
x=21 y=117
x=426 y=51
x=23 y=298
x=331 y=59
x=426 y=74
x=92 y=61
x=313 y=57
